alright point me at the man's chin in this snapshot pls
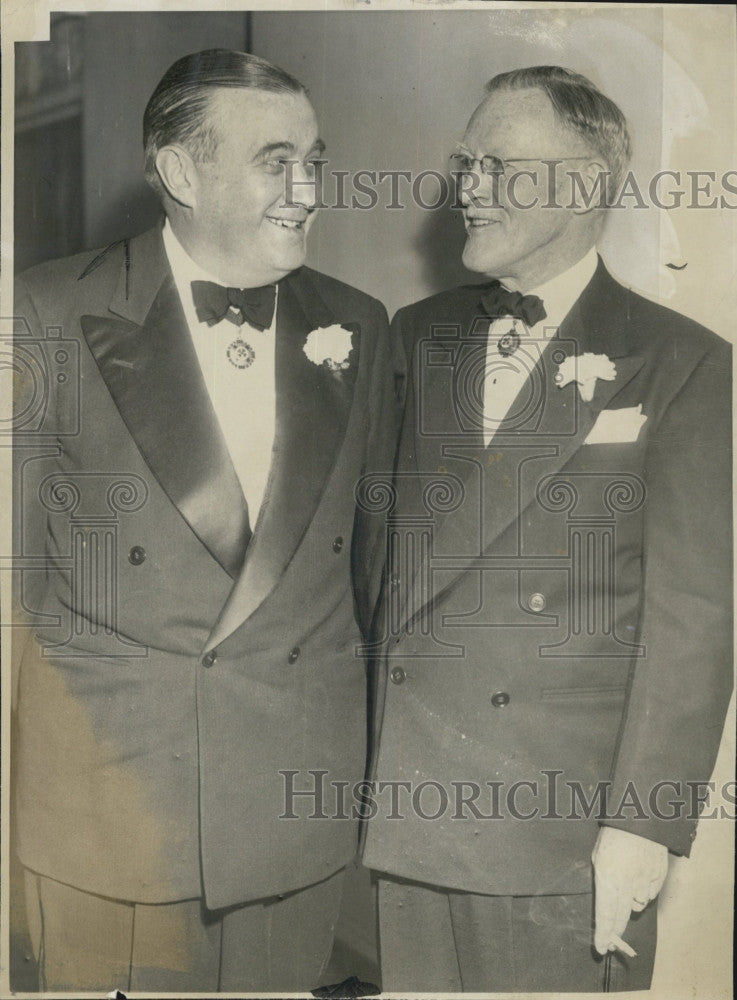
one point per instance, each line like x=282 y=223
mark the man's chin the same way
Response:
x=289 y=264
x=477 y=258
x=281 y=264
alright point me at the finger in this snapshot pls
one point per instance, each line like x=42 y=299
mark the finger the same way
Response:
x=641 y=895
x=623 y=912
x=622 y=946
x=602 y=943
x=604 y=910
x=612 y=909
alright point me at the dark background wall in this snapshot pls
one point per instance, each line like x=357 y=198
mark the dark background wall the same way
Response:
x=79 y=105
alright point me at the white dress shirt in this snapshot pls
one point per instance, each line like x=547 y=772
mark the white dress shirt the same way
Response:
x=504 y=377
x=244 y=399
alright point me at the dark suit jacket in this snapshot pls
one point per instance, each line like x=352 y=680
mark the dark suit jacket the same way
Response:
x=565 y=613
x=148 y=768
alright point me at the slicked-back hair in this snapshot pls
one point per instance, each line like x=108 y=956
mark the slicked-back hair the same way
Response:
x=580 y=106
x=178 y=110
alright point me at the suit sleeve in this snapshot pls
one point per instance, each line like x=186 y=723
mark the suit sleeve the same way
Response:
x=680 y=689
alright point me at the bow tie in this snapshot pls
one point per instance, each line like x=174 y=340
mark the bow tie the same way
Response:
x=499 y=301
x=213 y=302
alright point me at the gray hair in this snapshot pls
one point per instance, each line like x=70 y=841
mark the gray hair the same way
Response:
x=580 y=106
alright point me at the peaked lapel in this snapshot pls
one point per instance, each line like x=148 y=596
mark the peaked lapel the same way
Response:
x=559 y=422
x=312 y=410
x=149 y=364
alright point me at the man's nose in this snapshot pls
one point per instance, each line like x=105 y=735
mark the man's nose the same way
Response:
x=471 y=183
x=303 y=182
x=477 y=188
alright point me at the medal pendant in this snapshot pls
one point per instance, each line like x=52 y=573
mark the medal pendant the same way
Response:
x=509 y=343
x=240 y=354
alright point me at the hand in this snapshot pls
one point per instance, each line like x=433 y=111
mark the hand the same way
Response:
x=629 y=871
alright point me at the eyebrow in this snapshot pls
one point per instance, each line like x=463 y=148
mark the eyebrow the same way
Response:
x=288 y=147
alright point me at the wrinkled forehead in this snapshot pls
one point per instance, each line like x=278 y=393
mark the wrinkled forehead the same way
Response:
x=516 y=123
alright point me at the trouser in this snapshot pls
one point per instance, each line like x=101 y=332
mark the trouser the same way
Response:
x=88 y=942
x=435 y=940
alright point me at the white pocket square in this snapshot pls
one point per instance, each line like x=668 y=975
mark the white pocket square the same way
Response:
x=617 y=426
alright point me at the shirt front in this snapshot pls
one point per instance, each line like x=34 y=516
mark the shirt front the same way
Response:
x=505 y=376
x=243 y=398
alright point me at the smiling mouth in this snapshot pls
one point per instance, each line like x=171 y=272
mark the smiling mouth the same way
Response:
x=473 y=222
x=286 y=223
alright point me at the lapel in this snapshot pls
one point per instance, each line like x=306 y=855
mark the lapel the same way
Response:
x=556 y=427
x=312 y=409
x=147 y=359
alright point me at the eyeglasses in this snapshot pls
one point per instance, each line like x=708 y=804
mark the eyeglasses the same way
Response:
x=462 y=162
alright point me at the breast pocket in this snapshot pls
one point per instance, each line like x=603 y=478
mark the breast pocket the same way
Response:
x=612 y=457
x=584 y=693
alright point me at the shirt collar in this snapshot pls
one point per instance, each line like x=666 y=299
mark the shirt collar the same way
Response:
x=184 y=271
x=561 y=292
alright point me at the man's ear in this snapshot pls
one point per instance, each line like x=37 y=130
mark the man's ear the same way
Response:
x=178 y=173
x=589 y=190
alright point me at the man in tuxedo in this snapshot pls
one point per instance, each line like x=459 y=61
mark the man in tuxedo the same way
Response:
x=557 y=647
x=192 y=561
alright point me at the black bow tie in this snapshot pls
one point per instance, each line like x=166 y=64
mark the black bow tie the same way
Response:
x=213 y=302
x=499 y=301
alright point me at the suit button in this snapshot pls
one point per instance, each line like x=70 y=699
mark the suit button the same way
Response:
x=209 y=659
x=398 y=676
x=338 y=544
x=394 y=580
x=293 y=655
x=500 y=699
x=137 y=555
x=537 y=603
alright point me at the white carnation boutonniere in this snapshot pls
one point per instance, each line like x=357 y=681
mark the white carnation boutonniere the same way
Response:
x=585 y=369
x=329 y=347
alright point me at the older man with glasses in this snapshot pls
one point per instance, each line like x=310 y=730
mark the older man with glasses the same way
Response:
x=557 y=647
